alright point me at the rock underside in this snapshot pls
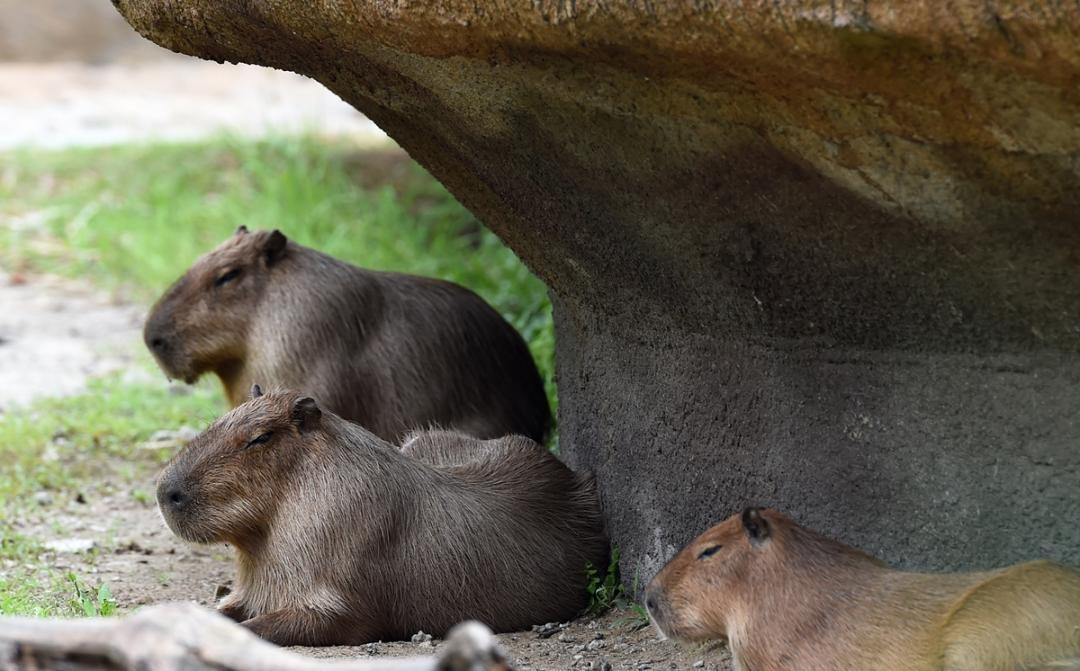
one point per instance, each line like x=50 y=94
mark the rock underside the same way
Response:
x=816 y=255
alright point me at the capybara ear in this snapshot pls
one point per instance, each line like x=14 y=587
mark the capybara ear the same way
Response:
x=241 y=230
x=274 y=247
x=756 y=526
x=306 y=413
x=256 y=391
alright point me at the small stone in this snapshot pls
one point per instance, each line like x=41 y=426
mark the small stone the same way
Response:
x=547 y=630
x=165 y=439
x=71 y=545
x=421 y=637
x=595 y=644
x=43 y=498
x=700 y=663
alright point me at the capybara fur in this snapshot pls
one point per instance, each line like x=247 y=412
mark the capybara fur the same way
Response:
x=787 y=598
x=389 y=351
x=343 y=538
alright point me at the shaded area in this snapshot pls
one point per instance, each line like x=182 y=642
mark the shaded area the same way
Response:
x=813 y=255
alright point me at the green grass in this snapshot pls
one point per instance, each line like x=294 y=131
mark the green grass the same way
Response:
x=133 y=218
x=28 y=587
x=67 y=445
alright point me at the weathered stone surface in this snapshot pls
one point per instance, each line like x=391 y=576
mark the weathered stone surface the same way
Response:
x=820 y=255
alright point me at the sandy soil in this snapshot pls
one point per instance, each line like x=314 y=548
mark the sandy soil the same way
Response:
x=143 y=563
x=54 y=334
x=72 y=104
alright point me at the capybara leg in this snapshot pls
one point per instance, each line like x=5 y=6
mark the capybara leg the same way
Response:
x=233 y=609
x=302 y=626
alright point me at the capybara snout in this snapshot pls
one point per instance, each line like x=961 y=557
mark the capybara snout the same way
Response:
x=202 y=321
x=221 y=487
x=706 y=572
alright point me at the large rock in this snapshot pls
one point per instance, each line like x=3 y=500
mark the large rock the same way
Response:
x=819 y=255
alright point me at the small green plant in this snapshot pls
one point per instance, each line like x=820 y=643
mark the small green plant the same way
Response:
x=605 y=591
x=89 y=601
x=142 y=496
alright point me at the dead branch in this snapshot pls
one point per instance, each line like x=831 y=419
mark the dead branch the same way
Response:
x=188 y=637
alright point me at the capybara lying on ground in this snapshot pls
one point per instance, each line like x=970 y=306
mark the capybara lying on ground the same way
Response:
x=789 y=599
x=342 y=538
x=392 y=352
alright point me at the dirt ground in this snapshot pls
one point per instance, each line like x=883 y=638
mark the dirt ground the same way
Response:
x=120 y=539
x=143 y=563
x=54 y=105
x=55 y=333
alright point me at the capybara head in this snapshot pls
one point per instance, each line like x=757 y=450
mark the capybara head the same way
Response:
x=201 y=322
x=695 y=594
x=225 y=485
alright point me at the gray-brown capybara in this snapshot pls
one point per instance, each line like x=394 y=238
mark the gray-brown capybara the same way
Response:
x=342 y=538
x=390 y=351
x=789 y=599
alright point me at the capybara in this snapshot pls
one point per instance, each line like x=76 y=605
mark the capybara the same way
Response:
x=343 y=538
x=787 y=598
x=389 y=351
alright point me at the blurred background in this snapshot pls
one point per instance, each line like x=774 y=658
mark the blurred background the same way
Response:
x=120 y=163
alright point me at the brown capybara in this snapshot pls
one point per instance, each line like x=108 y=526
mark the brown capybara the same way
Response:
x=342 y=538
x=789 y=599
x=389 y=351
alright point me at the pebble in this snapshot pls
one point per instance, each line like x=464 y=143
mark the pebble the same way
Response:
x=595 y=644
x=43 y=498
x=71 y=545
x=421 y=637
x=548 y=630
x=700 y=663
x=166 y=439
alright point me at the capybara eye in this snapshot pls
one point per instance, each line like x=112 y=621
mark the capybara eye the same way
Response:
x=227 y=277
x=260 y=439
x=709 y=551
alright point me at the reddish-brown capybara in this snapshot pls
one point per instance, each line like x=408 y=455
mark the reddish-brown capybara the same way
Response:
x=342 y=538
x=392 y=352
x=789 y=599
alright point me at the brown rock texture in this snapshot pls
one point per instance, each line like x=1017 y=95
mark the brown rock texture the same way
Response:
x=819 y=255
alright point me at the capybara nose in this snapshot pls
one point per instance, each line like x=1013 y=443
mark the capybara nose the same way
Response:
x=654 y=602
x=158 y=344
x=172 y=497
